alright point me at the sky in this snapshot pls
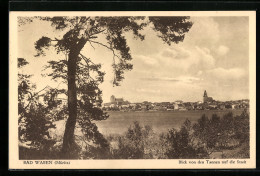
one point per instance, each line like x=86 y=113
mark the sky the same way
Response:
x=214 y=56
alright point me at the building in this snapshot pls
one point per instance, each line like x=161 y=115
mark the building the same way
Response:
x=178 y=101
x=176 y=106
x=182 y=107
x=116 y=104
x=117 y=101
x=207 y=99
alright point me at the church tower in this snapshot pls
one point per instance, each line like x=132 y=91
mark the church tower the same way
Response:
x=112 y=99
x=205 y=96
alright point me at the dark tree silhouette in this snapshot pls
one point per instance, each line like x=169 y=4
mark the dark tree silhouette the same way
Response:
x=82 y=30
x=34 y=118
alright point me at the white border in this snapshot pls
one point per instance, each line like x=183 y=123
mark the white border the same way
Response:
x=15 y=163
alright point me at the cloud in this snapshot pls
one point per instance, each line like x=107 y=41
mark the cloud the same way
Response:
x=199 y=73
x=222 y=50
x=183 y=58
x=200 y=59
x=160 y=79
x=205 y=31
x=189 y=79
x=176 y=60
x=184 y=79
x=205 y=59
x=176 y=53
x=147 y=60
x=227 y=74
x=147 y=90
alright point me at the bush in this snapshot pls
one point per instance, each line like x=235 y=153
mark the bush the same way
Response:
x=217 y=133
x=97 y=146
x=209 y=135
x=241 y=128
x=135 y=143
x=181 y=143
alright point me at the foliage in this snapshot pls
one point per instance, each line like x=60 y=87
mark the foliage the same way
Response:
x=204 y=130
x=89 y=101
x=198 y=140
x=206 y=136
x=35 y=126
x=241 y=128
x=171 y=29
x=81 y=74
x=222 y=133
x=21 y=62
x=34 y=117
x=43 y=42
x=134 y=143
x=181 y=144
x=99 y=149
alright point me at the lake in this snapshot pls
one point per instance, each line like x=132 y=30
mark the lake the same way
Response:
x=160 y=121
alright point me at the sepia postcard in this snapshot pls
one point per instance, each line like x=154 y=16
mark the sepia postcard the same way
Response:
x=132 y=90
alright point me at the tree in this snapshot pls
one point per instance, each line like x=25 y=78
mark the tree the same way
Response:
x=181 y=143
x=135 y=143
x=82 y=30
x=204 y=132
x=241 y=126
x=34 y=117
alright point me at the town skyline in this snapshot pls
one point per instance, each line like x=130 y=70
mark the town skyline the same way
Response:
x=175 y=100
x=208 y=103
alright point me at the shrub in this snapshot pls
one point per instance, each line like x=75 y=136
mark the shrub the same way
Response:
x=135 y=143
x=181 y=143
x=222 y=133
x=241 y=128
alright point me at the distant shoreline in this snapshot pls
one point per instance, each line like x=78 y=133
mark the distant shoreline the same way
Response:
x=184 y=111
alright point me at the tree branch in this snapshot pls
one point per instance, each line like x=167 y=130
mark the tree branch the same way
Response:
x=87 y=62
x=91 y=45
x=106 y=47
x=86 y=59
x=101 y=44
x=98 y=32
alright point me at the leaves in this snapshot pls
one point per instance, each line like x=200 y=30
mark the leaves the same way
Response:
x=22 y=62
x=81 y=30
x=36 y=125
x=180 y=143
x=35 y=118
x=218 y=132
x=171 y=29
x=59 y=69
x=134 y=143
x=42 y=43
x=59 y=22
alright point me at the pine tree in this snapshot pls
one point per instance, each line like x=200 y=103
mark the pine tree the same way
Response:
x=84 y=96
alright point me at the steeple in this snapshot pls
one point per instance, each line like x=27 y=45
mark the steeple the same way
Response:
x=205 y=94
x=112 y=99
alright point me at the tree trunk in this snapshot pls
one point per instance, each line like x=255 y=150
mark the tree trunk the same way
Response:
x=68 y=146
x=68 y=139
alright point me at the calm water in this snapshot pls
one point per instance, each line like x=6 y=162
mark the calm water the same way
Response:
x=118 y=122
